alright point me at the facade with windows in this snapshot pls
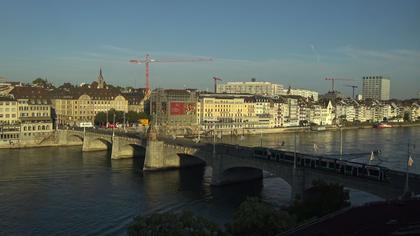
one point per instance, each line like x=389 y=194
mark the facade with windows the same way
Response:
x=376 y=87
x=9 y=120
x=252 y=87
x=174 y=109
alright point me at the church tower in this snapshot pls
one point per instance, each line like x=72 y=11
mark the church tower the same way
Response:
x=100 y=80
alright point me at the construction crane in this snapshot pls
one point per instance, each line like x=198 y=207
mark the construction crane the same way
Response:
x=147 y=60
x=215 y=83
x=332 y=82
x=353 y=86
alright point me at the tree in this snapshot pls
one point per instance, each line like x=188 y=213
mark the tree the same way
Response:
x=406 y=116
x=320 y=200
x=66 y=86
x=254 y=217
x=132 y=117
x=42 y=83
x=100 y=118
x=181 y=224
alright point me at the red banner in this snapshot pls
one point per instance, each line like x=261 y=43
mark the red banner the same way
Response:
x=182 y=108
x=177 y=108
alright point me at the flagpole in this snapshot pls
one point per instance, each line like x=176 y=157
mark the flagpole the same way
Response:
x=406 y=171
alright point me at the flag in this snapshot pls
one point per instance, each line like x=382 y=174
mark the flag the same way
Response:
x=372 y=156
x=410 y=161
x=315 y=147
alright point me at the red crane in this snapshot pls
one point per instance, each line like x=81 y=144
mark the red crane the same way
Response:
x=332 y=82
x=215 y=83
x=147 y=60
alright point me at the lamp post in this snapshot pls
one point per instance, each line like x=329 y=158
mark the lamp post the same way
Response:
x=294 y=153
x=341 y=143
x=113 y=126
x=106 y=123
x=409 y=163
x=124 y=121
x=214 y=140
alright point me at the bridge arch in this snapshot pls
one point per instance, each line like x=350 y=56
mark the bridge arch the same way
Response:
x=101 y=144
x=75 y=137
x=239 y=174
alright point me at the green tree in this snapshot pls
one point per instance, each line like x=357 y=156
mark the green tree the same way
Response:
x=320 y=200
x=42 y=83
x=254 y=217
x=181 y=224
x=119 y=116
x=406 y=116
x=100 y=118
x=133 y=117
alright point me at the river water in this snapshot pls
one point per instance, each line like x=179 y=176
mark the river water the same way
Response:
x=46 y=191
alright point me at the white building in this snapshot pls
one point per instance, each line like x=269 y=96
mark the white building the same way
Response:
x=252 y=87
x=303 y=93
x=376 y=87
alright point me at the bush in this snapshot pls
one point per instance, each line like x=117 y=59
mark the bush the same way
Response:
x=254 y=218
x=174 y=224
x=320 y=200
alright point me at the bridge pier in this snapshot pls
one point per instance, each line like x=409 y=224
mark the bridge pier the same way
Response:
x=298 y=184
x=121 y=149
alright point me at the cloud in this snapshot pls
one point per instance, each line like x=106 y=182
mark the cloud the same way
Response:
x=113 y=48
x=385 y=55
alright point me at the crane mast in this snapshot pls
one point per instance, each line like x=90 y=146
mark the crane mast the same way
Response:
x=147 y=60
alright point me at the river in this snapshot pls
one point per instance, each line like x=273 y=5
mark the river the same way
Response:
x=64 y=191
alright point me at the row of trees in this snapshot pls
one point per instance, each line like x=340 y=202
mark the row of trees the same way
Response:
x=40 y=82
x=253 y=217
x=130 y=117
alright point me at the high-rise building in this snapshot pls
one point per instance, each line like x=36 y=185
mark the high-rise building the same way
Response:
x=376 y=87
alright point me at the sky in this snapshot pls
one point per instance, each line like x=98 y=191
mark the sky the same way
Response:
x=295 y=43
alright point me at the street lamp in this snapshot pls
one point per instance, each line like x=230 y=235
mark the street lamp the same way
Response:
x=341 y=142
x=113 y=125
x=294 y=153
x=214 y=140
x=409 y=164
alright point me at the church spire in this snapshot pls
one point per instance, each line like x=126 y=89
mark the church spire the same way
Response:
x=100 y=79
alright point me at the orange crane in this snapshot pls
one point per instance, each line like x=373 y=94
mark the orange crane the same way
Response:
x=353 y=86
x=147 y=60
x=215 y=83
x=332 y=82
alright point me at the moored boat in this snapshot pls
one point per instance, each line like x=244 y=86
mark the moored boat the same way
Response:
x=383 y=125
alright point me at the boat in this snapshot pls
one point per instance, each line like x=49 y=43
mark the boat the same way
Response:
x=383 y=125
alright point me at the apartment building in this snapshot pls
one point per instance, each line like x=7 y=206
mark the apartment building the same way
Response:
x=81 y=104
x=376 y=87
x=251 y=87
x=34 y=111
x=9 y=120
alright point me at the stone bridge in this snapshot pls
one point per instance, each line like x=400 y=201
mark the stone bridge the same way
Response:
x=231 y=164
x=120 y=146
